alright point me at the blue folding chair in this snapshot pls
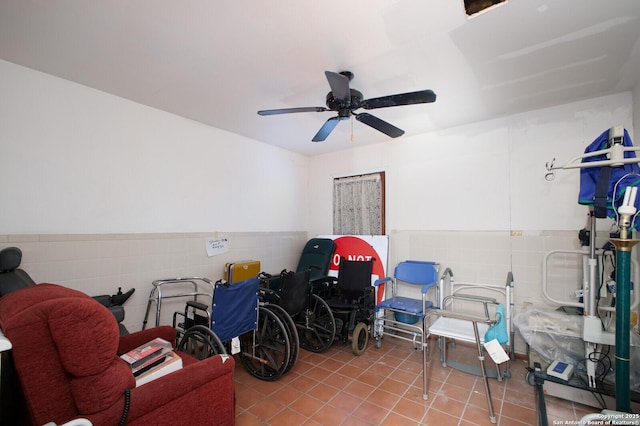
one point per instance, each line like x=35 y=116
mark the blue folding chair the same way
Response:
x=404 y=314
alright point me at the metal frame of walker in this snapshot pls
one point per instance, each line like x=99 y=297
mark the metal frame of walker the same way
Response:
x=456 y=292
x=469 y=328
x=193 y=290
x=592 y=329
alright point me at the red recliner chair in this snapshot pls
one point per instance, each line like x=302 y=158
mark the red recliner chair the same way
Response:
x=66 y=349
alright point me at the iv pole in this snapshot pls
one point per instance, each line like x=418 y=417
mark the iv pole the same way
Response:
x=592 y=332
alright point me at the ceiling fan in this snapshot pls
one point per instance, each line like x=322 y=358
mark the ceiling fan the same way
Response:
x=344 y=100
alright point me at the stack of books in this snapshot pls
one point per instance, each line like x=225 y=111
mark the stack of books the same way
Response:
x=152 y=360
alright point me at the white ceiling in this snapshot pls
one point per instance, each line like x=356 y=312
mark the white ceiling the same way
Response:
x=218 y=62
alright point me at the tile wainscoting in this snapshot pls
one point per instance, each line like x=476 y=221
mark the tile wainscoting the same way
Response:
x=100 y=263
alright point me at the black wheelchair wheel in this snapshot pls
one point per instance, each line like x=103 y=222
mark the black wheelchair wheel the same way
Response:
x=292 y=333
x=265 y=352
x=200 y=342
x=360 y=338
x=316 y=326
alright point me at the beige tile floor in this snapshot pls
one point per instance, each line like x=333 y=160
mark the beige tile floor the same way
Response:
x=384 y=387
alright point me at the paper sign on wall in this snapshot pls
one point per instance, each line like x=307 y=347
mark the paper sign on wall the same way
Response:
x=217 y=246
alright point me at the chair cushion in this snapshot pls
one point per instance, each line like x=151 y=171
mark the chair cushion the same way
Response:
x=85 y=333
x=316 y=257
x=457 y=329
x=406 y=304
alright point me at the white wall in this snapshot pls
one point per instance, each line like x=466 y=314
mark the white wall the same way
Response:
x=100 y=192
x=482 y=176
x=76 y=160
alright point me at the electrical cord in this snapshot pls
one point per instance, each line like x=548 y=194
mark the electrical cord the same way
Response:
x=604 y=364
x=601 y=360
x=125 y=411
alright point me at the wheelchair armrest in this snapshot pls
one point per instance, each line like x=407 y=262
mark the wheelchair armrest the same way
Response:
x=118 y=312
x=197 y=305
x=262 y=291
x=381 y=281
x=104 y=300
x=119 y=298
x=324 y=283
x=269 y=296
x=427 y=287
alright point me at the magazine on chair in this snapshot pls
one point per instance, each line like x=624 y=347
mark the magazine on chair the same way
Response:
x=146 y=354
x=171 y=362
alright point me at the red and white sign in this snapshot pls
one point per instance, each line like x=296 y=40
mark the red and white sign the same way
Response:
x=361 y=247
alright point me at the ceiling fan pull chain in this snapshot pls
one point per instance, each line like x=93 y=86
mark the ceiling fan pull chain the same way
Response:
x=352 y=137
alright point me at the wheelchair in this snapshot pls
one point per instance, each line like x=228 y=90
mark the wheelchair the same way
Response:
x=351 y=298
x=235 y=324
x=290 y=296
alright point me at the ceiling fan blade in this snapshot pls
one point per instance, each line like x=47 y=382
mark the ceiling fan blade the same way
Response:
x=326 y=129
x=420 y=97
x=380 y=125
x=291 y=110
x=339 y=86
